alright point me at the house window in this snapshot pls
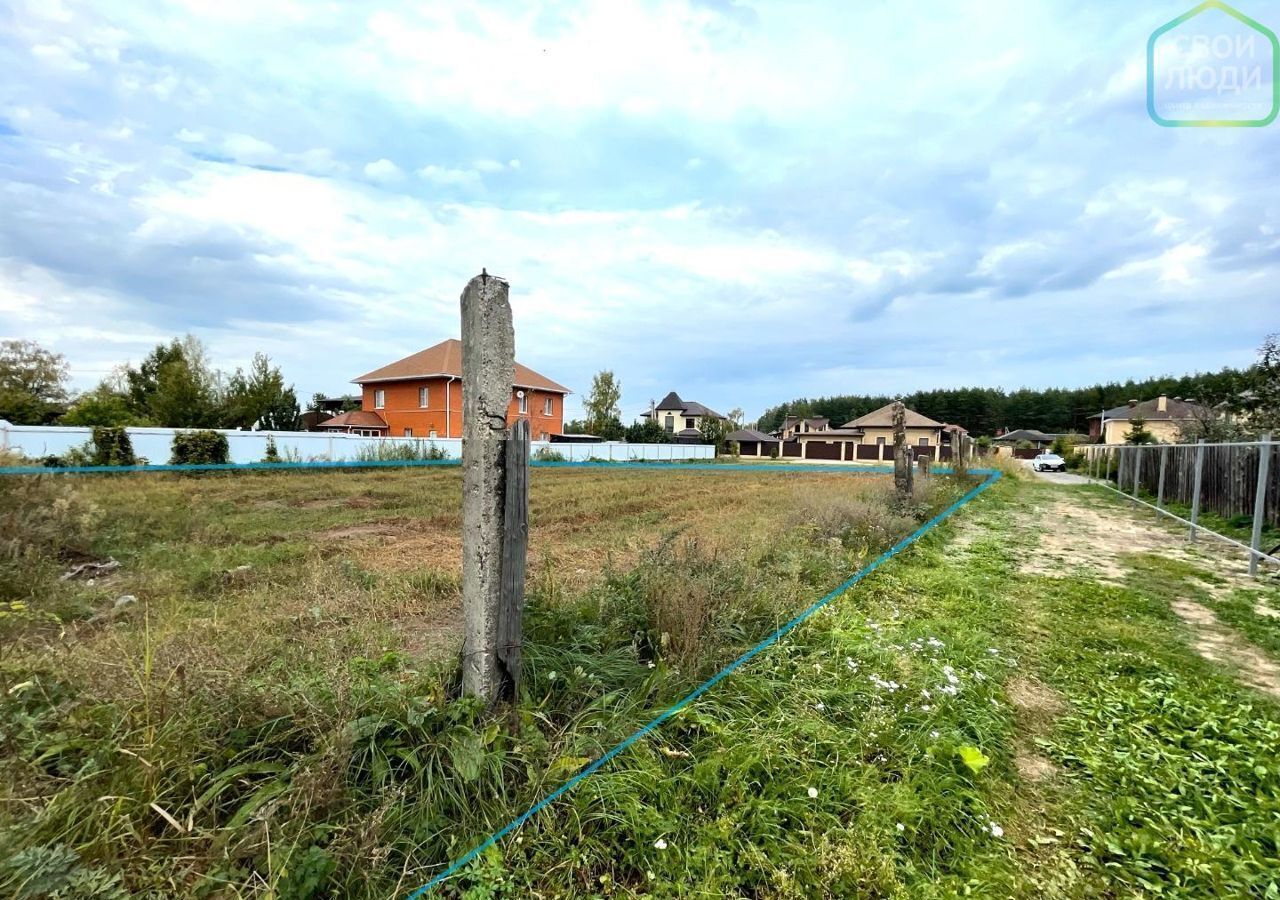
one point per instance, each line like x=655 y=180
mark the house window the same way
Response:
x=671 y=422
x=524 y=403
x=408 y=432
x=879 y=442
x=688 y=423
x=424 y=396
x=924 y=442
x=544 y=436
x=379 y=399
x=433 y=433
x=547 y=407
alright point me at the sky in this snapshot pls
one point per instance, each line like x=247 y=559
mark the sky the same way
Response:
x=742 y=202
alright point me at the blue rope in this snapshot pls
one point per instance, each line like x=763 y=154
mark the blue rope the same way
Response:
x=384 y=463
x=992 y=478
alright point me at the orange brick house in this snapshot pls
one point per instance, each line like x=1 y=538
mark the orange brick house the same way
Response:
x=420 y=396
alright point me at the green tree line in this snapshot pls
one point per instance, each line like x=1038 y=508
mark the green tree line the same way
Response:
x=174 y=386
x=984 y=410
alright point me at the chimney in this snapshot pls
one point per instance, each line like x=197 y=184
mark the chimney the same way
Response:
x=1162 y=404
x=1133 y=403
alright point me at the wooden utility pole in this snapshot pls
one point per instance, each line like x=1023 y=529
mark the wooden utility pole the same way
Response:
x=488 y=372
x=902 y=479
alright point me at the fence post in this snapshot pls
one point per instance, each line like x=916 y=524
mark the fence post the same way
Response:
x=901 y=455
x=1195 y=490
x=515 y=544
x=488 y=371
x=1260 y=501
x=1107 y=475
x=1164 y=467
x=1137 y=472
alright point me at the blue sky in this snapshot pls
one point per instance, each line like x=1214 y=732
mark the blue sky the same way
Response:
x=741 y=202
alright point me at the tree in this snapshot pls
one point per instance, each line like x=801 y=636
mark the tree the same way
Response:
x=647 y=432
x=603 y=413
x=714 y=431
x=107 y=405
x=259 y=399
x=32 y=383
x=1138 y=433
x=175 y=387
x=735 y=417
x=1261 y=399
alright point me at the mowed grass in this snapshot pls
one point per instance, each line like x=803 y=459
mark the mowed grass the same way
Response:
x=951 y=727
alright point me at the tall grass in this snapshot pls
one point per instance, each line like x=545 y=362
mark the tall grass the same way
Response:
x=291 y=783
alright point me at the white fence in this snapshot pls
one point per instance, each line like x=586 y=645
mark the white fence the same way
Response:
x=155 y=445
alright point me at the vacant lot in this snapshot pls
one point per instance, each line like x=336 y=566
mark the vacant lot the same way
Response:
x=1044 y=698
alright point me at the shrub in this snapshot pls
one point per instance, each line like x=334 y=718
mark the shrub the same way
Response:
x=399 y=451
x=200 y=448
x=272 y=455
x=112 y=447
x=546 y=454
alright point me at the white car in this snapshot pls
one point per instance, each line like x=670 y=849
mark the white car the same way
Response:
x=1049 y=462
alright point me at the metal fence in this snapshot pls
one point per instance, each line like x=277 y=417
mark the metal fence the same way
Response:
x=1234 y=480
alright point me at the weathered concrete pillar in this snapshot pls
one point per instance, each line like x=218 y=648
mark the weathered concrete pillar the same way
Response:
x=923 y=465
x=901 y=454
x=488 y=371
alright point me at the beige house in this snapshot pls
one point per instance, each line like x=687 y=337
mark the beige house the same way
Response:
x=1164 y=417
x=867 y=438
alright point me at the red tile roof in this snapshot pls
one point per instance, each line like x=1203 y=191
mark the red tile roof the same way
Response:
x=445 y=359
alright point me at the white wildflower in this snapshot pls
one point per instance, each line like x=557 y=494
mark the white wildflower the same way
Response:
x=660 y=844
x=813 y=793
x=996 y=830
x=819 y=706
x=900 y=827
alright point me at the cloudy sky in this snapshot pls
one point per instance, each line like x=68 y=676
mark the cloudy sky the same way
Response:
x=742 y=202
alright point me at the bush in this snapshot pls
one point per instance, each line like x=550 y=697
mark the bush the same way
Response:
x=399 y=451
x=200 y=448
x=546 y=454
x=272 y=454
x=112 y=447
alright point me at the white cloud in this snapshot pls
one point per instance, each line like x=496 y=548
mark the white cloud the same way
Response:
x=383 y=170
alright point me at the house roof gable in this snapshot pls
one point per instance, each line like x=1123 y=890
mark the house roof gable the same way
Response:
x=883 y=418
x=444 y=360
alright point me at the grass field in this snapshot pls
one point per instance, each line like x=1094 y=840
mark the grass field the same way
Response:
x=969 y=721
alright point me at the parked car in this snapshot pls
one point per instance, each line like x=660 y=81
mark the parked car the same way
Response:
x=1049 y=462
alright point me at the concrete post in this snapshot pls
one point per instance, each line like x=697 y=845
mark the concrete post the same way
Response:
x=1137 y=471
x=901 y=454
x=1260 y=501
x=488 y=372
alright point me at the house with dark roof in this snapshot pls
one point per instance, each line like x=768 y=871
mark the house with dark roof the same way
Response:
x=1037 y=439
x=1165 y=417
x=421 y=396
x=794 y=425
x=683 y=418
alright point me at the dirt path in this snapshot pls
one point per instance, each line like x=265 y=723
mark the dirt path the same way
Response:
x=1080 y=535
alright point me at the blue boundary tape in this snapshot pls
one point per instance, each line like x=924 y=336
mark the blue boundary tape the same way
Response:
x=445 y=463
x=992 y=477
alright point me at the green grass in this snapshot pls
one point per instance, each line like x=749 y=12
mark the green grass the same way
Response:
x=303 y=750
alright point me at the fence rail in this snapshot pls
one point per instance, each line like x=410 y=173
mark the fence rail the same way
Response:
x=1234 y=480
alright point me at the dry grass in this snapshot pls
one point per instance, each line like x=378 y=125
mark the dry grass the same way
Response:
x=248 y=576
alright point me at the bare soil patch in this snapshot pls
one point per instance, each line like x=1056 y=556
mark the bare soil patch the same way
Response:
x=1097 y=539
x=1035 y=706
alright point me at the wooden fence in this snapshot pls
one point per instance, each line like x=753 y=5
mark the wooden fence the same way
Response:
x=1228 y=477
